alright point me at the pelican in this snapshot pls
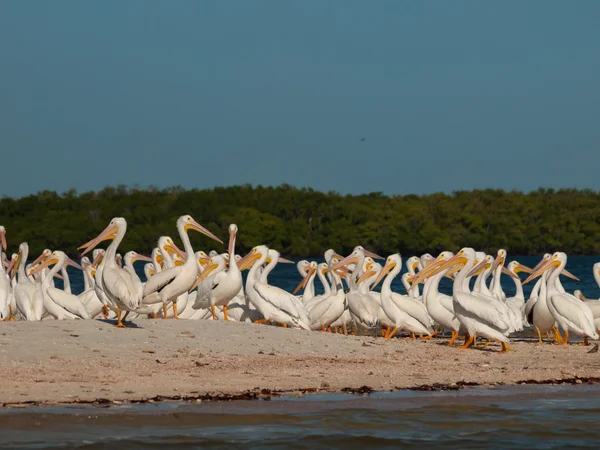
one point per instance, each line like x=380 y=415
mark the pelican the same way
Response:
x=275 y=304
x=169 y=284
x=5 y=287
x=227 y=284
x=328 y=309
x=60 y=304
x=406 y=313
x=477 y=313
x=570 y=313
x=116 y=281
x=30 y=302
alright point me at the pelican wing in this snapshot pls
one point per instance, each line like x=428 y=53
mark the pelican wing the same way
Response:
x=205 y=288
x=69 y=302
x=446 y=302
x=413 y=308
x=484 y=310
x=574 y=311
x=157 y=282
x=117 y=283
x=277 y=297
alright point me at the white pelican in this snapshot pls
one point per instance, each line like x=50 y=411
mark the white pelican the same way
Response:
x=30 y=301
x=328 y=308
x=570 y=313
x=364 y=309
x=169 y=284
x=116 y=282
x=58 y=303
x=5 y=287
x=226 y=285
x=477 y=313
x=308 y=283
x=439 y=306
x=406 y=313
x=275 y=304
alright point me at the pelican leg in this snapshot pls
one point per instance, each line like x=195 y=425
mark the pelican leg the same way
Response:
x=212 y=310
x=119 y=323
x=329 y=329
x=566 y=338
x=453 y=338
x=285 y=325
x=505 y=348
x=412 y=335
x=468 y=342
x=540 y=340
x=548 y=336
x=557 y=337
x=392 y=333
x=105 y=311
x=175 y=316
x=385 y=331
x=345 y=329
x=164 y=310
x=225 y=313
x=475 y=340
x=261 y=321
x=125 y=316
x=585 y=341
x=421 y=337
x=438 y=331
x=156 y=315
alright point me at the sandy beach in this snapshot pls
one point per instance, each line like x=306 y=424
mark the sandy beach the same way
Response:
x=54 y=362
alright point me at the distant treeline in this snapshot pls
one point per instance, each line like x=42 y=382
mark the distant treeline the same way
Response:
x=303 y=222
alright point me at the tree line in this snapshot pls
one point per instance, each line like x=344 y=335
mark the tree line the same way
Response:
x=304 y=222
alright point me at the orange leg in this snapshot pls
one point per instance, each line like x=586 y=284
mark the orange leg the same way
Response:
x=392 y=333
x=540 y=340
x=105 y=311
x=505 y=348
x=119 y=323
x=421 y=337
x=175 y=316
x=212 y=310
x=164 y=310
x=585 y=341
x=566 y=338
x=261 y=321
x=468 y=342
x=412 y=335
x=225 y=313
x=345 y=330
x=453 y=338
x=156 y=315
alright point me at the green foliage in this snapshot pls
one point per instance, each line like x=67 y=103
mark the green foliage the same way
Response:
x=303 y=222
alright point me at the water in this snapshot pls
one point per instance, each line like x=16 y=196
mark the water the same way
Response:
x=287 y=277
x=533 y=417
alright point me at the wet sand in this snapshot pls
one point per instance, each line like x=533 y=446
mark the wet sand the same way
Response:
x=54 y=362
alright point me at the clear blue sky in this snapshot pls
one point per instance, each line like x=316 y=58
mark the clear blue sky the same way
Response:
x=448 y=94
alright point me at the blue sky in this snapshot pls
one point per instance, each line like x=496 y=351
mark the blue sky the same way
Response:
x=447 y=94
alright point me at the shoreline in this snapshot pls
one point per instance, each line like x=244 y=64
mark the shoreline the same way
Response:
x=93 y=363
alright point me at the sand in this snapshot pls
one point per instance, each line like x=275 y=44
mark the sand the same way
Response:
x=63 y=362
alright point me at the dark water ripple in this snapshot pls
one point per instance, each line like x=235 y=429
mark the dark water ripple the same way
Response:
x=534 y=417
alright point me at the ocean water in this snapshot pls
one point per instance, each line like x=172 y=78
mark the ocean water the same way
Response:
x=532 y=417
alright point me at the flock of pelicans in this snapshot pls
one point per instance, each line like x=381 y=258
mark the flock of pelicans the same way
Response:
x=182 y=284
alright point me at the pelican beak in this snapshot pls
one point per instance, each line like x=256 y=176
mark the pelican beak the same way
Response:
x=371 y=254
x=542 y=268
x=97 y=260
x=141 y=258
x=15 y=266
x=3 y=239
x=498 y=261
x=248 y=261
x=40 y=258
x=304 y=281
x=510 y=274
x=58 y=275
x=478 y=269
x=193 y=225
x=70 y=262
x=48 y=262
x=109 y=233
x=203 y=276
x=351 y=259
x=568 y=274
x=366 y=274
x=538 y=265
x=521 y=268
x=386 y=269
x=285 y=261
x=438 y=266
x=10 y=265
x=231 y=248
x=427 y=271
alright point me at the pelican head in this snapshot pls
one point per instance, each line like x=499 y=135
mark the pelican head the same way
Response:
x=117 y=225
x=3 y=237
